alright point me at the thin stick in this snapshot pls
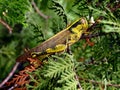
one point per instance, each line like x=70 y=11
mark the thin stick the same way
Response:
x=95 y=82
x=10 y=74
x=94 y=35
x=38 y=11
x=6 y=25
x=76 y=77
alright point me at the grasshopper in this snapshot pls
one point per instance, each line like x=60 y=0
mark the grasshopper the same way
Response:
x=58 y=42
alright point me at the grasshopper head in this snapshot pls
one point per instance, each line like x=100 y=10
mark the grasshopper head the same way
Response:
x=80 y=25
x=84 y=24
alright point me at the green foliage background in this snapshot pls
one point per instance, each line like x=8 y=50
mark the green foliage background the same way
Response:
x=100 y=62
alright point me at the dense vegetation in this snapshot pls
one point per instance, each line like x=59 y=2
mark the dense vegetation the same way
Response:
x=26 y=23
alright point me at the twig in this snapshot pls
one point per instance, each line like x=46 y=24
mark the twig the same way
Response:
x=95 y=82
x=93 y=35
x=76 y=77
x=94 y=24
x=115 y=7
x=6 y=25
x=38 y=11
x=10 y=74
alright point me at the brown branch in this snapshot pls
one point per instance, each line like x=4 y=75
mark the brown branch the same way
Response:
x=95 y=82
x=6 y=25
x=38 y=11
x=115 y=7
x=94 y=35
x=77 y=79
x=94 y=24
x=10 y=74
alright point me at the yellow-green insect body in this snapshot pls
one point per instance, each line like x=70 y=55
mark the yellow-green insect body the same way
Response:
x=58 y=42
x=77 y=29
x=58 y=48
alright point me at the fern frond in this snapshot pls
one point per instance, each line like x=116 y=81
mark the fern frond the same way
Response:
x=70 y=85
x=39 y=36
x=81 y=7
x=59 y=10
x=14 y=12
x=61 y=68
x=55 y=68
x=68 y=75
